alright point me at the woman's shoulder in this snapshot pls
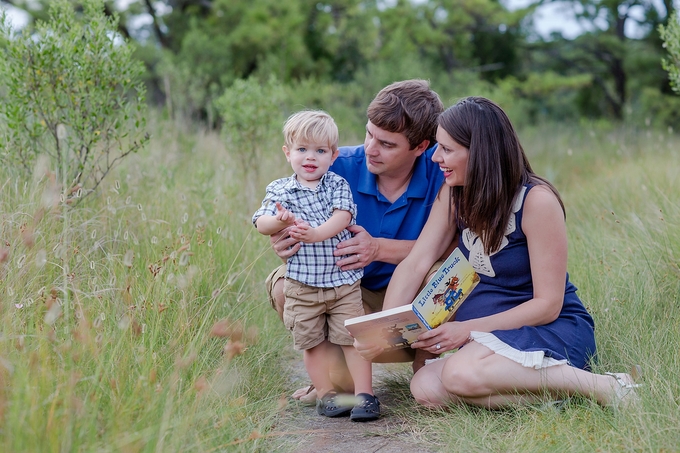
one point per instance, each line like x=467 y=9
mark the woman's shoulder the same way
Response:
x=542 y=201
x=540 y=193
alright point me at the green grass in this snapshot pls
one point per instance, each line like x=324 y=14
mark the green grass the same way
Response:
x=107 y=309
x=620 y=188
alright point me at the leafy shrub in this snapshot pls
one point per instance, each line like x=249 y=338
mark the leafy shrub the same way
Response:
x=253 y=116
x=671 y=37
x=71 y=90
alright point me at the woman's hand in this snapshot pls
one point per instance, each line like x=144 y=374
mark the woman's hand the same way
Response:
x=358 y=251
x=368 y=351
x=448 y=336
x=284 y=245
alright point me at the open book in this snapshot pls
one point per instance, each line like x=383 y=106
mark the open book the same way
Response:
x=435 y=304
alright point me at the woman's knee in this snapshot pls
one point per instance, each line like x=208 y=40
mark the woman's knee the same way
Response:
x=466 y=380
x=427 y=389
x=421 y=392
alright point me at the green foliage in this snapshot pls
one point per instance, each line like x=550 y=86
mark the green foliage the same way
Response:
x=252 y=114
x=72 y=91
x=195 y=50
x=165 y=249
x=671 y=37
x=120 y=355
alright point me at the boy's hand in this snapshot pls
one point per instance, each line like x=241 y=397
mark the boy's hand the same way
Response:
x=284 y=215
x=368 y=351
x=303 y=232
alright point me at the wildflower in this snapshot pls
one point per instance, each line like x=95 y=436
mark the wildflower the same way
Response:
x=27 y=236
x=4 y=254
x=221 y=329
x=185 y=362
x=233 y=348
x=201 y=384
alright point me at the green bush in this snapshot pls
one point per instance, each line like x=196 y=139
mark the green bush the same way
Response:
x=71 y=90
x=253 y=116
x=671 y=37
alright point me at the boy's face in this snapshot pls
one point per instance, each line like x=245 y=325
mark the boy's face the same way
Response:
x=310 y=161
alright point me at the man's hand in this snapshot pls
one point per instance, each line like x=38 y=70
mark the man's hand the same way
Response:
x=358 y=251
x=284 y=246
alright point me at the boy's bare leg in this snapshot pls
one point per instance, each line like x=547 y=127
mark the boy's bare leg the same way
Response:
x=339 y=374
x=360 y=369
x=317 y=365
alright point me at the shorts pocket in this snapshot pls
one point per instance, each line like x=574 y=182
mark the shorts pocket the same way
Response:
x=288 y=319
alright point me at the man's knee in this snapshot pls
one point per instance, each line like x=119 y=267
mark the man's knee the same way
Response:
x=274 y=287
x=277 y=298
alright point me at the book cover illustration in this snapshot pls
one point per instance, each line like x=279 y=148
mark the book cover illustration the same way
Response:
x=444 y=293
x=435 y=304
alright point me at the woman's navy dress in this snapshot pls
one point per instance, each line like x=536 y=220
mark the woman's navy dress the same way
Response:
x=505 y=282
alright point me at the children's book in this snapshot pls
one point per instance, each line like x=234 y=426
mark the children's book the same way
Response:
x=434 y=305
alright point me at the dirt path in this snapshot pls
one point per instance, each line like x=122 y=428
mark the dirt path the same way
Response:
x=308 y=432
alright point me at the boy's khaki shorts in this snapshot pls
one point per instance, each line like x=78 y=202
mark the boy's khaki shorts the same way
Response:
x=372 y=299
x=314 y=314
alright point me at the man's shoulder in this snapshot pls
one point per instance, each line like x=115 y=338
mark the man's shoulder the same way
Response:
x=349 y=153
x=349 y=160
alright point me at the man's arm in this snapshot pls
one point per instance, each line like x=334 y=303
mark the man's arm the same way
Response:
x=362 y=249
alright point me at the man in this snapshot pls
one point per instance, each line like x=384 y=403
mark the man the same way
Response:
x=394 y=183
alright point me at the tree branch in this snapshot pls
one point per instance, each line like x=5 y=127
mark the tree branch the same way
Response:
x=162 y=39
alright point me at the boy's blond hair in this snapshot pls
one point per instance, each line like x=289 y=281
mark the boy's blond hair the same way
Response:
x=311 y=126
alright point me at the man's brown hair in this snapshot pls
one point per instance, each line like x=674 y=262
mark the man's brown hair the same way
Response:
x=409 y=107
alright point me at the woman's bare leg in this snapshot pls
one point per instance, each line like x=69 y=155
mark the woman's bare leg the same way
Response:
x=476 y=375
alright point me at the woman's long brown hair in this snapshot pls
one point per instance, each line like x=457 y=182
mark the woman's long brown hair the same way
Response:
x=497 y=168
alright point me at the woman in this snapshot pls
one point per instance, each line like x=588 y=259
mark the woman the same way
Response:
x=522 y=332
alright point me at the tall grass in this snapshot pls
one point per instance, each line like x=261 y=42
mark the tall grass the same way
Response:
x=107 y=338
x=137 y=321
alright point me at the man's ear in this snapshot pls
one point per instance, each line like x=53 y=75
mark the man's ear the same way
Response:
x=420 y=149
x=286 y=152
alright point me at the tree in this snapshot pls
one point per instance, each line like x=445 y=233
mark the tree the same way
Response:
x=70 y=89
x=613 y=59
x=670 y=34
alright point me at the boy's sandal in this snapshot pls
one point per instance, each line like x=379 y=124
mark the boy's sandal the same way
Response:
x=367 y=409
x=329 y=406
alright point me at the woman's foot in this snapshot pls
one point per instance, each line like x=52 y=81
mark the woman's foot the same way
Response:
x=624 y=395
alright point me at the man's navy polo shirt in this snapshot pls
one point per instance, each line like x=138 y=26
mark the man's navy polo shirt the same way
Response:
x=403 y=219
